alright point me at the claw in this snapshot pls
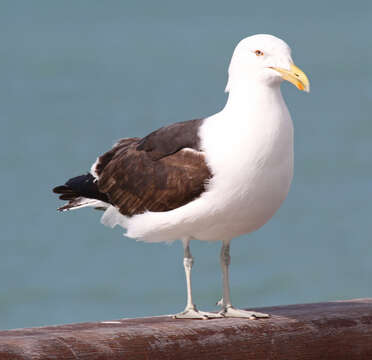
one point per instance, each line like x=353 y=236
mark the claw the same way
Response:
x=194 y=313
x=237 y=313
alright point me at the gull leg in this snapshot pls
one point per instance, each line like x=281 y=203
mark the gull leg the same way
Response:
x=191 y=312
x=227 y=309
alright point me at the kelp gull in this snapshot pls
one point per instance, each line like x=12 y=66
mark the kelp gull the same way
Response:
x=205 y=179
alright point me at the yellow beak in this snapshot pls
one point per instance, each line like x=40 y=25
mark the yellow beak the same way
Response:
x=295 y=76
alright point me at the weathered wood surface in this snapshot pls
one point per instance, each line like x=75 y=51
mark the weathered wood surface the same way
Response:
x=332 y=331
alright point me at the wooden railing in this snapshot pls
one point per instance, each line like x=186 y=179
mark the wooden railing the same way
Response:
x=334 y=331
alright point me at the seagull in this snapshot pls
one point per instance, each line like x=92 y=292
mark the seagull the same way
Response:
x=209 y=179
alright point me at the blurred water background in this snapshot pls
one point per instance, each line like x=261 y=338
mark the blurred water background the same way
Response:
x=78 y=75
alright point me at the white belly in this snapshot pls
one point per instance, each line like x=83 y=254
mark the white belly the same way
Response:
x=251 y=178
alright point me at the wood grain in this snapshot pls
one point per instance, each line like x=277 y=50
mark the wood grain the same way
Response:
x=333 y=331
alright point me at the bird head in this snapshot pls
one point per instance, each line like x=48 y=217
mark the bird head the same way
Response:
x=267 y=59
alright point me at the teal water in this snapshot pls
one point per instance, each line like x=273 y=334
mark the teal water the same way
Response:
x=76 y=76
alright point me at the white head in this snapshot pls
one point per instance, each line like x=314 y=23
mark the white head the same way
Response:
x=265 y=59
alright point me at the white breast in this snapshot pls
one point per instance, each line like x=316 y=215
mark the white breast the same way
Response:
x=252 y=164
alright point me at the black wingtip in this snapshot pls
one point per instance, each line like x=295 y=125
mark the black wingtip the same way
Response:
x=80 y=186
x=62 y=189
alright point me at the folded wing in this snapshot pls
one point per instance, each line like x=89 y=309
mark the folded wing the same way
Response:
x=161 y=172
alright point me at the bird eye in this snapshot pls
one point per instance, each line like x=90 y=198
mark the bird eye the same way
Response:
x=258 y=52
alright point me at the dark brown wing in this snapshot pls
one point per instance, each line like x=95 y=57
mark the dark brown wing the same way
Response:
x=157 y=173
x=169 y=139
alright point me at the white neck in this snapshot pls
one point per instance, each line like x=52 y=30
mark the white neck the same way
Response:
x=247 y=97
